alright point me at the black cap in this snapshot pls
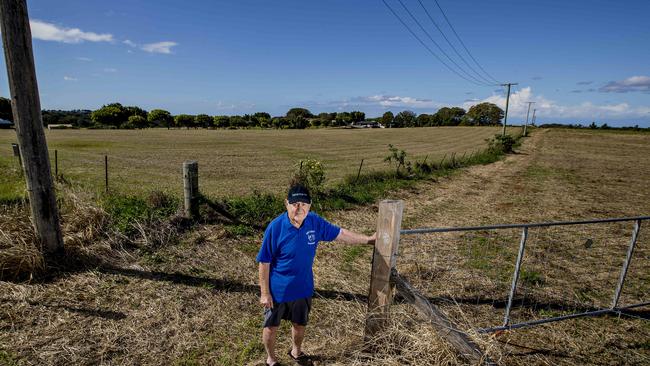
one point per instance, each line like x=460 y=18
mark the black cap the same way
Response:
x=298 y=193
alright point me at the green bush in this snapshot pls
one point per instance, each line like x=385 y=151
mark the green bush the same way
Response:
x=311 y=174
x=126 y=210
x=502 y=144
x=256 y=210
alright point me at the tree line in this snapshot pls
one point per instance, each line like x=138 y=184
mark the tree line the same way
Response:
x=116 y=115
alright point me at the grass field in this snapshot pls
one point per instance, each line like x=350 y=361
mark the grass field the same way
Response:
x=236 y=162
x=195 y=302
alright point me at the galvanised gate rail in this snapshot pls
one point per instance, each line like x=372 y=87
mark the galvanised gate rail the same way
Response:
x=522 y=245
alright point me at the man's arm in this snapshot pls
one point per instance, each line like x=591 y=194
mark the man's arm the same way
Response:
x=265 y=291
x=350 y=237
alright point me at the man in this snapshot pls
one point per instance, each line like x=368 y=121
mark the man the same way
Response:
x=285 y=268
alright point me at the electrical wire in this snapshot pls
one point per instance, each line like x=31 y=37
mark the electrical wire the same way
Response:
x=427 y=47
x=452 y=46
x=438 y=46
x=463 y=43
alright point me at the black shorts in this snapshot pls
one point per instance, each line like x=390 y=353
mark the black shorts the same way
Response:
x=295 y=311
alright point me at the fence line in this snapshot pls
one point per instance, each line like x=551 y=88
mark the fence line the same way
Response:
x=459 y=339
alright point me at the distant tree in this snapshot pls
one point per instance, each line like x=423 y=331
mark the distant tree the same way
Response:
x=357 y=116
x=404 y=119
x=593 y=125
x=160 y=117
x=221 y=121
x=483 y=114
x=423 y=120
x=299 y=112
x=5 y=109
x=136 y=121
x=278 y=122
x=325 y=119
x=387 y=119
x=263 y=119
x=135 y=111
x=343 y=118
x=184 y=120
x=113 y=114
x=237 y=121
x=297 y=122
x=450 y=116
x=203 y=120
x=315 y=122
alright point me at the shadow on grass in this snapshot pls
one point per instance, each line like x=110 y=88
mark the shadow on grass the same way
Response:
x=218 y=284
x=105 y=314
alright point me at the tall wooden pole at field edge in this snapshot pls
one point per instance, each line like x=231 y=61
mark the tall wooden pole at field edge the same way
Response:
x=389 y=222
x=17 y=40
x=505 y=117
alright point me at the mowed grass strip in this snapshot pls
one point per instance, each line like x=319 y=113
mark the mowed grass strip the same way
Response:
x=238 y=162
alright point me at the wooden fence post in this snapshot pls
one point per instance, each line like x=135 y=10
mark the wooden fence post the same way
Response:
x=191 y=187
x=19 y=58
x=389 y=222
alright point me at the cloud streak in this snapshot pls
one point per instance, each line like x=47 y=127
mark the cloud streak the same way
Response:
x=159 y=47
x=51 y=32
x=631 y=84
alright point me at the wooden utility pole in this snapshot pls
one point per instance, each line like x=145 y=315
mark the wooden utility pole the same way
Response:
x=384 y=258
x=527 y=113
x=533 y=119
x=17 y=40
x=505 y=119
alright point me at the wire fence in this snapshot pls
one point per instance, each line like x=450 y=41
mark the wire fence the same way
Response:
x=499 y=277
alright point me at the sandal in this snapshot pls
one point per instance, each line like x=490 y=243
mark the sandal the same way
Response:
x=302 y=359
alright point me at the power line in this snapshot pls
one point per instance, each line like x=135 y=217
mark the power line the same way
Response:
x=425 y=46
x=463 y=43
x=438 y=46
x=452 y=46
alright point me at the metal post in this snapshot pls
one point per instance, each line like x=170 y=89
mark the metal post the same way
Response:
x=515 y=276
x=359 y=172
x=626 y=264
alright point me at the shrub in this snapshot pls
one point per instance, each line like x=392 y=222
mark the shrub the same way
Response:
x=502 y=143
x=127 y=210
x=311 y=174
x=256 y=210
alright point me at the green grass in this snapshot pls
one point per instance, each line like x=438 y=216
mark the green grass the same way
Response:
x=12 y=183
x=6 y=359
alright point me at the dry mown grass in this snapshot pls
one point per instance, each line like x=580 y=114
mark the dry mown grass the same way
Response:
x=196 y=302
x=236 y=162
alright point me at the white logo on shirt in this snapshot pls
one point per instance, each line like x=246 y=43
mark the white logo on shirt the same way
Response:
x=311 y=237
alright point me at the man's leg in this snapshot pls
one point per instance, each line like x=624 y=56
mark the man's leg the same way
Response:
x=268 y=339
x=297 y=335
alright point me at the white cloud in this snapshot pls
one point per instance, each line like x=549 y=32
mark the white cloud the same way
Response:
x=159 y=47
x=631 y=84
x=51 y=32
x=69 y=78
x=86 y=59
x=129 y=43
x=110 y=69
x=551 y=109
x=387 y=101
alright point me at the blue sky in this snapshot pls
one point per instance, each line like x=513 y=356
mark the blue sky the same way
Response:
x=579 y=61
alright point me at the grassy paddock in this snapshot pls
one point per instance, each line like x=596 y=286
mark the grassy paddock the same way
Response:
x=237 y=162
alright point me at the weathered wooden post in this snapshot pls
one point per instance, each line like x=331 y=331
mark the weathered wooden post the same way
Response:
x=191 y=187
x=19 y=58
x=389 y=222
x=106 y=172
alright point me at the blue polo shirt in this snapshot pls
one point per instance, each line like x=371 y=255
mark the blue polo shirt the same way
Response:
x=291 y=252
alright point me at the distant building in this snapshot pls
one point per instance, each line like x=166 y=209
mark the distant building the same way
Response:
x=367 y=124
x=6 y=124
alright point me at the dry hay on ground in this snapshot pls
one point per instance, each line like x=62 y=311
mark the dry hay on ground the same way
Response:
x=197 y=302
